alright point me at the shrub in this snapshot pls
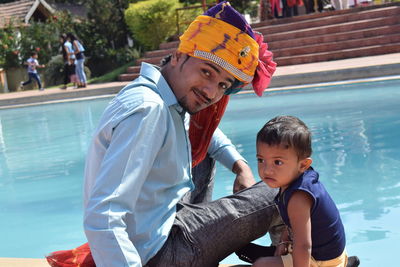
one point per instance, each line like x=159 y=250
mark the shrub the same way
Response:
x=9 y=47
x=54 y=71
x=152 y=22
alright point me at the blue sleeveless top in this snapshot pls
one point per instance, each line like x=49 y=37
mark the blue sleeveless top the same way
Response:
x=327 y=231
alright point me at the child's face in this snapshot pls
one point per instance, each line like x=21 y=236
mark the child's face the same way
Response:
x=279 y=166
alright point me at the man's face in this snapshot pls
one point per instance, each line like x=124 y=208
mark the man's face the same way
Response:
x=197 y=83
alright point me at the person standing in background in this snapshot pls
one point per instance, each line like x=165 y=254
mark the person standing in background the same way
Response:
x=63 y=39
x=79 y=60
x=69 y=50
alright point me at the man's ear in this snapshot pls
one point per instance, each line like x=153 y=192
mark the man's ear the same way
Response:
x=305 y=164
x=176 y=55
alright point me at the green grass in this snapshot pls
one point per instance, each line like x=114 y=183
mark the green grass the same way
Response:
x=111 y=76
x=108 y=77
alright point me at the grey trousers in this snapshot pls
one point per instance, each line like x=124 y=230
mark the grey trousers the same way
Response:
x=205 y=233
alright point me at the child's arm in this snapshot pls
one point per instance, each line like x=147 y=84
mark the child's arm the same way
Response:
x=299 y=208
x=36 y=64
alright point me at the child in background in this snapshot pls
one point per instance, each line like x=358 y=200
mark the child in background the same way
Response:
x=315 y=234
x=69 y=49
x=33 y=63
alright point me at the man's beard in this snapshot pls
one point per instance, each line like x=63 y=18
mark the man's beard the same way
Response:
x=184 y=104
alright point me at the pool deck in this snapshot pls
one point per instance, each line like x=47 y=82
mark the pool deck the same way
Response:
x=313 y=73
x=286 y=76
x=14 y=262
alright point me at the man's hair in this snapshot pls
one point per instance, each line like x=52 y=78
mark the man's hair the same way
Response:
x=165 y=60
x=289 y=132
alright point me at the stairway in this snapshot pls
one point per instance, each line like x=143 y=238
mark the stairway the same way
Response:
x=333 y=35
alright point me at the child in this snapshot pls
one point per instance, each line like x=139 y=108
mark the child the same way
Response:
x=315 y=235
x=71 y=70
x=32 y=72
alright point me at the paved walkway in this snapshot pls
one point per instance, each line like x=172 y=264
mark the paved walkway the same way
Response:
x=338 y=70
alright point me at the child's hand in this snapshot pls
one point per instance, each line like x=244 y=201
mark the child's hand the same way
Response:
x=282 y=248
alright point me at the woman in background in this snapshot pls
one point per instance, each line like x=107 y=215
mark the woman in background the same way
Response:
x=79 y=60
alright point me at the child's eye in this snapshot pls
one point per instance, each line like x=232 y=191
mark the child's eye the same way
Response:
x=260 y=160
x=278 y=162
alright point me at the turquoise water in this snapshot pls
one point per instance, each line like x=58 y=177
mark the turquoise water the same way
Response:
x=356 y=150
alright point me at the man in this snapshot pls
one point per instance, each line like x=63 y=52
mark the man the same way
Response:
x=139 y=163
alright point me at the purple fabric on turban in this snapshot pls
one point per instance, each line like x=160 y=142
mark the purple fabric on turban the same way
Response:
x=225 y=12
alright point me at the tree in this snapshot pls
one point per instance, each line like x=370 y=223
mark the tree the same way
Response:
x=107 y=19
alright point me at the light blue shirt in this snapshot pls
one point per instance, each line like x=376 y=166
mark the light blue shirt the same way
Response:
x=222 y=150
x=138 y=167
x=70 y=49
x=80 y=46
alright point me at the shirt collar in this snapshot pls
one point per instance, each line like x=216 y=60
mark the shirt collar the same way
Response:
x=153 y=74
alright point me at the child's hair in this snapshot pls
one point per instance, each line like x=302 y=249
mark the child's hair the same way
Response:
x=34 y=54
x=287 y=131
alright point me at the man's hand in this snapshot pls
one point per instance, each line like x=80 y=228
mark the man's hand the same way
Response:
x=244 y=176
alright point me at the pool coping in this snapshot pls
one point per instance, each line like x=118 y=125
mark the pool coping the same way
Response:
x=298 y=76
x=23 y=262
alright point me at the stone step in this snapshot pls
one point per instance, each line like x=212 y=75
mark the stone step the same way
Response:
x=336 y=37
x=127 y=77
x=151 y=60
x=332 y=29
x=160 y=53
x=331 y=21
x=169 y=45
x=133 y=69
x=336 y=55
x=337 y=46
x=322 y=15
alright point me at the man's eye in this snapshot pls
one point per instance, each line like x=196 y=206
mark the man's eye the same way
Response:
x=278 y=162
x=223 y=86
x=207 y=73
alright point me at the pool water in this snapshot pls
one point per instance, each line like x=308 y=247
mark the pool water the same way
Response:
x=356 y=144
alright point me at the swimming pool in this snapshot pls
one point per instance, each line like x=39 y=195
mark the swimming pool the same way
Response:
x=356 y=146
